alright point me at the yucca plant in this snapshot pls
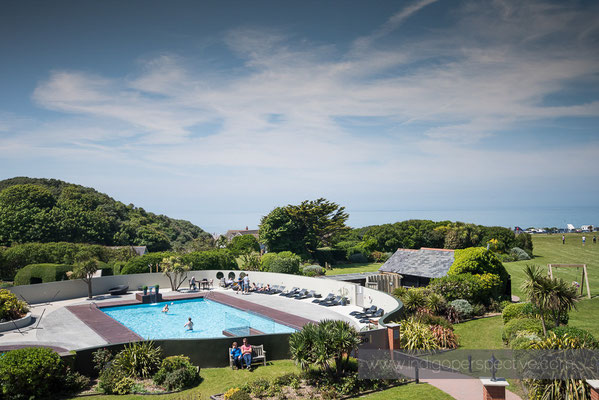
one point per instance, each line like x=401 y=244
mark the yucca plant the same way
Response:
x=556 y=389
x=139 y=359
x=436 y=303
x=413 y=299
x=417 y=336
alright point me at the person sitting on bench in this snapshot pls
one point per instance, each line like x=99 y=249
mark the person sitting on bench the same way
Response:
x=236 y=354
x=246 y=353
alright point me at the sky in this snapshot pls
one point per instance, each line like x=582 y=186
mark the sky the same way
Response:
x=219 y=111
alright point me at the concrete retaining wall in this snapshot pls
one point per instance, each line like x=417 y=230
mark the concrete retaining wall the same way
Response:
x=206 y=353
x=358 y=295
x=18 y=323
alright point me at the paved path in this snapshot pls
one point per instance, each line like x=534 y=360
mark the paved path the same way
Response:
x=464 y=389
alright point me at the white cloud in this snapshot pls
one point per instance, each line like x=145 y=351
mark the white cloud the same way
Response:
x=442 y=94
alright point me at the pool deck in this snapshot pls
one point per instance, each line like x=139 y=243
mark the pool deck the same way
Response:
x=79 y=323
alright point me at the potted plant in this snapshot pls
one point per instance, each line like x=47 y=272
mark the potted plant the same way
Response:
x=145 y=288
x=344 y=301
x=156 y=288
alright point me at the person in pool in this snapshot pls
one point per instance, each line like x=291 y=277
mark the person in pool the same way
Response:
x=165 y=309
x=246 y=353
x=189 y=324
x=236 y=354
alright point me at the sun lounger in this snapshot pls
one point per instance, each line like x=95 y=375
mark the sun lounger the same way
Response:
x=329 y=297
x=290 y=293
x=335 y=302
x=301 y=293
x=308 y=295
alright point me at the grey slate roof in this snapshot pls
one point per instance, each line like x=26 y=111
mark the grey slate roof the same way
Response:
x=429 y=263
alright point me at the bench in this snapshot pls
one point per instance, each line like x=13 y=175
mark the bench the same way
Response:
x=258 y=355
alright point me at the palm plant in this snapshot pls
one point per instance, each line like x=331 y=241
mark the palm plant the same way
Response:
x=551 y=296
x=324 y=345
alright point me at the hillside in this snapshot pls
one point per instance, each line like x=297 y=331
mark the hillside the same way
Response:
x=50 y=210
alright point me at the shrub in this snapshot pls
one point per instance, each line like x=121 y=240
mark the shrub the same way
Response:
x=524 y=241
x=124 y=385
x=524 y=340
x=236 y=394
x=313 y=270
x=417 y=336
x=101 y=359
x=530 y=325
x=477 y=261
x=176 y=372
x=11 y=308
x=445 y=337
x=400 y=292
x=139 y=359
x=42 y=273
x=284 y=265
x=211 y=259
x=436 y=303
x=453 y=287
x=429 y=319
x=109 y=378
x=379 y=256
x=478 y=310
x=583 y=337
x=527 y=310
x=462 y=307
x=75 y=382
x=413 y=299
x=144 y=264
x=331 y=256
x=358 y=257
x=519 y=254
x=31 y=372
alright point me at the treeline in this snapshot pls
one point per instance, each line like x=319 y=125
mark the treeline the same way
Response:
x=46 y=262
x=414 y=234
x=50 y=210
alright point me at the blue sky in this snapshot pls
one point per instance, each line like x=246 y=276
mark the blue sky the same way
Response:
x=218 y=111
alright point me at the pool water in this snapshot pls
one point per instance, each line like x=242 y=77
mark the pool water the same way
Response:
x=209 y=318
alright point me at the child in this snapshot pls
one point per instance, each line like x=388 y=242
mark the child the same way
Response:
x=236 y=354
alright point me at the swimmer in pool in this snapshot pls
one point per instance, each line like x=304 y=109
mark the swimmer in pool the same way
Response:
x=165 y=309
x=189 y=324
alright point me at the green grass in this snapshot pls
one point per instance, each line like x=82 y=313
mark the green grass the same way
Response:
x=483 y=333
x=548 y=249
x=354 y=268
x=218 y=380
x=410 y=391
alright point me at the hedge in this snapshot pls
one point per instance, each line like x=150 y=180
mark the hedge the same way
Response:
x=211 y=259
x=141 y=265
x=527 y=310
x=581 y=334
x=331 y=256
x=531 y=325
x=42 y=273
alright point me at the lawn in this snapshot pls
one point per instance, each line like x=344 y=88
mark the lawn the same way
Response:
x=354 y=268
x=218 y=380
x=483 y=333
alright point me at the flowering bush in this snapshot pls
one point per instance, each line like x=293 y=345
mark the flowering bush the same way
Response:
x=10 y=307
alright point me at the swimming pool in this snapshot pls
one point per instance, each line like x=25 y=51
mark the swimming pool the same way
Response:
x=210 y=318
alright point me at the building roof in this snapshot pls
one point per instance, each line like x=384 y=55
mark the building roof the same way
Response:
x=426 y=262
x=139 y=250
x=231 y=233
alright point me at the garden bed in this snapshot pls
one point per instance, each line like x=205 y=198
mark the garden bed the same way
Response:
x=17 y=323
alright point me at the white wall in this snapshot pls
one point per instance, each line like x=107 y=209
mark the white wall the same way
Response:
x=62 y=290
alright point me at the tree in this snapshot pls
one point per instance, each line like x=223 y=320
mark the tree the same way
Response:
x=477 y=261
x=243 y=244
x=84 y=269
x=175 y=270
x=551 y=296
x=250 y=261
x=305 y=227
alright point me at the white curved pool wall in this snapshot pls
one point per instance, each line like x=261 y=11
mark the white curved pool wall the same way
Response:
x=62 y=290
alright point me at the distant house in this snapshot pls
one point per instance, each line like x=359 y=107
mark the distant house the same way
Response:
x=418 y=267
x=139 y=250
x=587 y=228
x=570 y=228
x=231 y=233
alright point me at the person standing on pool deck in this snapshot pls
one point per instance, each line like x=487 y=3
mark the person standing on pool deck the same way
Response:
x=189 y=324
x=246 y=284
x=246 y=353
